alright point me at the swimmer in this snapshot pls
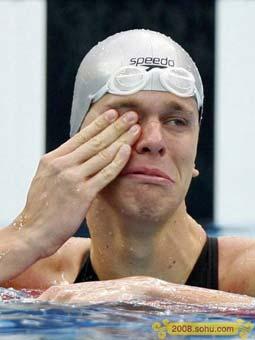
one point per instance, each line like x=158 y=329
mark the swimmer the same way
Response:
x=135 y=122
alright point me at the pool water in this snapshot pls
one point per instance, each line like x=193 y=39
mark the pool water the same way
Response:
x=21 y=317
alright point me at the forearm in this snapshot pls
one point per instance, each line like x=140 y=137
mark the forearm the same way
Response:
x=195 y=295
x=17 y=251
x=147 y=290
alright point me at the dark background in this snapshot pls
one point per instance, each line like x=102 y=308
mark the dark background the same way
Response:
x=74 y=27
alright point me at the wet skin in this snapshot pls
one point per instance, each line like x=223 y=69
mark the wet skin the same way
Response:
x=134 y=218
x=168 y=141
x=138 y=227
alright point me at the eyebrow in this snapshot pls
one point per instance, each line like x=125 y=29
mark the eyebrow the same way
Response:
x=134 y=104
x=124 y=102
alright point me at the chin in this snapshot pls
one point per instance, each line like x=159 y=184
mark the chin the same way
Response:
x=141 y=200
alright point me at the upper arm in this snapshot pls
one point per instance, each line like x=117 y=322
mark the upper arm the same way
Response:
x=59 y=268
x=237 y=265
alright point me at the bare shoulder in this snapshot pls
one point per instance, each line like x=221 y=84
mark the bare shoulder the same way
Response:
x=78 y=245
x=72 y=256
x=237 y=264
x=231 y=245
x=59 y=268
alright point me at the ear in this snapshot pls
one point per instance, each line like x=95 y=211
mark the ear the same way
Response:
x=195 y=173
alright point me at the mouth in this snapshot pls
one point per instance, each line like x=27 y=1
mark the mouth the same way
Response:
x=152 y=175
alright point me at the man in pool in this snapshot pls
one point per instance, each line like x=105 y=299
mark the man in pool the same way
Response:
x=137 y=107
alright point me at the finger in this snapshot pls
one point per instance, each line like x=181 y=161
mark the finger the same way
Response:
x=85 y=134
x=100 y=141
x=111 y=171
x=106 y=156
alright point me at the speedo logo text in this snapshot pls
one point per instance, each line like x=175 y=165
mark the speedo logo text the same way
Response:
x=151 y=62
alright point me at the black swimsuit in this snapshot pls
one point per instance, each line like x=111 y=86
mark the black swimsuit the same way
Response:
x=204 y=273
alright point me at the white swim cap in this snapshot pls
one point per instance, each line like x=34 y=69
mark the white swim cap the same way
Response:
x=119 y=63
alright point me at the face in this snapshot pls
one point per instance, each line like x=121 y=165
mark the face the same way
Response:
x=168 y=142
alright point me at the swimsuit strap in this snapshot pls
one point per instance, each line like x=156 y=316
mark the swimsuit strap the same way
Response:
x=87 y=273
x=205 y=271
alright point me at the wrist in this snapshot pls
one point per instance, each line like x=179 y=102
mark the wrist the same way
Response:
x=29 y=236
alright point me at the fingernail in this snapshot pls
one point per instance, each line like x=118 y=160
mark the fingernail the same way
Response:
x=130 y=116
x=111 y=115
x=134 y=129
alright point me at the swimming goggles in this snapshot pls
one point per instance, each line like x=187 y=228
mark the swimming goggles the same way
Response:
x=131 y=79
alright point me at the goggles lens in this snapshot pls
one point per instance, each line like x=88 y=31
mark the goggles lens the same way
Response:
x=178 y=81
x=127 y=79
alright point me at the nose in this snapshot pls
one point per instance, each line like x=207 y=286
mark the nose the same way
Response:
x=151 y=139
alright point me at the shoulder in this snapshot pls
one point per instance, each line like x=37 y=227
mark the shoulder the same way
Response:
x=59 y=268
x=237 y=264
x=72 y=255
x=232 y=246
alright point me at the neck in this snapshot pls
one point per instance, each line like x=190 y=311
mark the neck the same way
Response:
x=124 y=246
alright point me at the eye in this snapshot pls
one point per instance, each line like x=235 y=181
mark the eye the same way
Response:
x=176 y=122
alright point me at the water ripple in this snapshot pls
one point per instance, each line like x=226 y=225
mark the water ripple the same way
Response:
x=22 y=318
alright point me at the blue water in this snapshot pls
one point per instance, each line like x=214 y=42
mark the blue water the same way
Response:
x=23 y=318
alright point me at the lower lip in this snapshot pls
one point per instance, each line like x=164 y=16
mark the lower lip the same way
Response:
x=149 y=179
